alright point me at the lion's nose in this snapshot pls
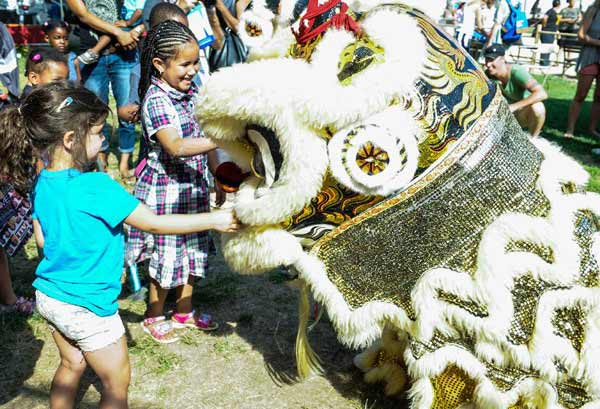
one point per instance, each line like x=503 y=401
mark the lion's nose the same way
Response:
x=229 y=176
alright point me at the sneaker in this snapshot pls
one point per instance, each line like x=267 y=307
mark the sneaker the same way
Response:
x=88 y=57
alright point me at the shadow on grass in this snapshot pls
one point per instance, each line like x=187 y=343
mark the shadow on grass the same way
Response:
x=19 y=347
x=43 y=397
x=263 y=310
x=19 y=350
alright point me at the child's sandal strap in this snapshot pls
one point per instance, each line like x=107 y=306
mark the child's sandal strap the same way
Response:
x=183 y=318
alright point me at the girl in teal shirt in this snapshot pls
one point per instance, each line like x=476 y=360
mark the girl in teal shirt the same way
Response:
x=78 y=220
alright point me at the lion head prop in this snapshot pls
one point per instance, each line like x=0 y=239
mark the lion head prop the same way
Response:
x=389 y=173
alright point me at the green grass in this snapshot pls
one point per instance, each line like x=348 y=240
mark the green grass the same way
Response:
x=561 y=92
x=227 y=348
x=153 y=358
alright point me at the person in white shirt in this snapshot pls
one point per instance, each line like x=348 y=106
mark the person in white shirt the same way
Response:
x=471 y=14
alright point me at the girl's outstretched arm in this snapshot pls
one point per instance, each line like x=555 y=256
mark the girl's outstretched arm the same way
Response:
x=177 y=146
x=145 y=219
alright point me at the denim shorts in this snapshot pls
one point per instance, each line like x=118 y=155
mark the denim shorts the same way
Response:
x=90 y=332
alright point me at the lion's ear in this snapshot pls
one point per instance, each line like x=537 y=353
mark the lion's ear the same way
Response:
x=377 y=156
x=358 y=77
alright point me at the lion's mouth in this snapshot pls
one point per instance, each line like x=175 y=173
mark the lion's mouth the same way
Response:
x=264 y=162
x=267 y=158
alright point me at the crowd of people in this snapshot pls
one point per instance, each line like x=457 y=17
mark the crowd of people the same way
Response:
x=88 y=228
x=482 y=21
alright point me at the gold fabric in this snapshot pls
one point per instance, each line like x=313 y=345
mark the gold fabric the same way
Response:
x=452 y=388
x=570 y=323
x=475 y=165
x=378 y=256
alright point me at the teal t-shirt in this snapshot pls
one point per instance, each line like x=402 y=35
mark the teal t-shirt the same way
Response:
x=81 y=215
x=515 y=89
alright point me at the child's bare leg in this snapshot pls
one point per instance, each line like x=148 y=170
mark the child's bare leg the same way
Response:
x=67 y=376
x=124 y=165
x=156 y=299
x=184 y=296
x=111 y=364
x=92 y=55
x=7 y=295
x=103 y=42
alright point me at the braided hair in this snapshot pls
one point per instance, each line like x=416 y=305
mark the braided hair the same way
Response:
x=162 y=41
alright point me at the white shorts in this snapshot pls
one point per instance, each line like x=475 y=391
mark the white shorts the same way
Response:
x=90 y=332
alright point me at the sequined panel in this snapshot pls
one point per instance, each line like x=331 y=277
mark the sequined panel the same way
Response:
x=452 y=388
x=586 y=225
x=506 y=378
x=378 y=255
x=474 y=308
x=570 y=323
x=571 y=394
x=518 y=405
x=420 y=348
x=546 y=253
x=526 y=293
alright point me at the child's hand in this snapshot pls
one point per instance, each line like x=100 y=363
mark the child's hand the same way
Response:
x=121 y=23
x=128 y=113
x=225 y=221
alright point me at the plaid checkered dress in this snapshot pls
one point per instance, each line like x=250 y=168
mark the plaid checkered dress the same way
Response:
x=170 y=185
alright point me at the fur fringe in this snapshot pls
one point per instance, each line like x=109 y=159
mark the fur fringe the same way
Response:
x=491 y=286
x=307 y=361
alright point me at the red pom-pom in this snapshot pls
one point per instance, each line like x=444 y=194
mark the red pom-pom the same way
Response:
x=229 y=176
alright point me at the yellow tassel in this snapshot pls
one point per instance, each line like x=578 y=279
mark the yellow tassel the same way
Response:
x=307 y=361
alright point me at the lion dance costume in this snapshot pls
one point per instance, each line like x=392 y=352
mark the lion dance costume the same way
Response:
x=389 y=173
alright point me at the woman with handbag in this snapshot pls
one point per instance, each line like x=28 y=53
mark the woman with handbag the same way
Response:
x=234 y=50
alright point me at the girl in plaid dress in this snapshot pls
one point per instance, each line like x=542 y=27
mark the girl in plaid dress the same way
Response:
x=173 y=180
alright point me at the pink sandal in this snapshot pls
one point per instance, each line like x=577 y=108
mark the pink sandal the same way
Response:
x=160 y=330
x=189 y=320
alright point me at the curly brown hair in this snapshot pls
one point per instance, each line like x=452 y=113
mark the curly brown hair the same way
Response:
x=39 y=124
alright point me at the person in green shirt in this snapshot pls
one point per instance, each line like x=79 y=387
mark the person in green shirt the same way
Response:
x=523 y=93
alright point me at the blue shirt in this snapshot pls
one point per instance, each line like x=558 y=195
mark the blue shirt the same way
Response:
x=72 y=72
x=81 y=215
x=129 y=7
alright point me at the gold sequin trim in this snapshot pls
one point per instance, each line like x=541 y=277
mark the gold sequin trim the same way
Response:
x=452 y=388
x=570 y=323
